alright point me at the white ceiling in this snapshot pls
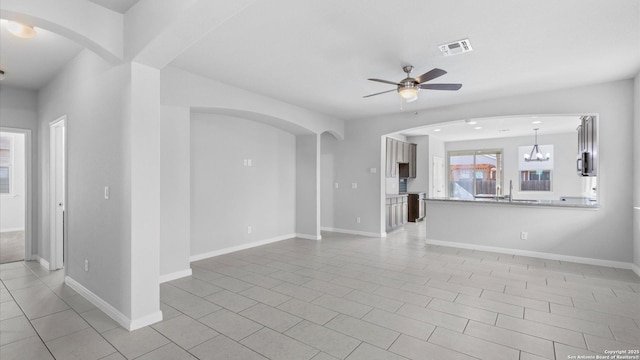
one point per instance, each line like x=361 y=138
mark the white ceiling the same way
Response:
x=120 y=6
x=318 y=54
x=32 y=63
x=498 y=127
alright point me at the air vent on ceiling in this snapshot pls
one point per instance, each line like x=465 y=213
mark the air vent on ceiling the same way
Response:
x=456 y=47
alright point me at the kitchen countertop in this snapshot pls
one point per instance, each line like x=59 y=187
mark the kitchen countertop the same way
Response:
x=523 y=202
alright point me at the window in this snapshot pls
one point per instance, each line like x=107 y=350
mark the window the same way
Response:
x=536 y=176
x=475 y=173
x=6 y=160
x=535 y=180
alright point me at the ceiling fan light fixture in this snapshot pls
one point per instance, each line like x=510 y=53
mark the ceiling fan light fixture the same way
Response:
x=21 y=30
x=408 y=92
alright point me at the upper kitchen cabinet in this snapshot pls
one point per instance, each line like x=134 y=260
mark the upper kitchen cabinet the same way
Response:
x=400 y=159
x=391 y=162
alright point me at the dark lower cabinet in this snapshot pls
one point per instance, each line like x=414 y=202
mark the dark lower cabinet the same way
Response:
x=417 y=203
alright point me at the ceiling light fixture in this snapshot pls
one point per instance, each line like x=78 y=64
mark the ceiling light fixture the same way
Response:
x=21 y=30
x=471 y=122
x=408 y=91
x=535 y=154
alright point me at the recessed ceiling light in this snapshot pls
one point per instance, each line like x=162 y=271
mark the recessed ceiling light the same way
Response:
x=21 y=30
x=436 y=130
x=471 y=122
x=536 y=122
x=478 y=127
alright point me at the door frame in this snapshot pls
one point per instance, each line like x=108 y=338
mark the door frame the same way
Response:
x=56 y=247
x=28 y=186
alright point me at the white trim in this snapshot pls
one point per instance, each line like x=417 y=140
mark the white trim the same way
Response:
x=635 y=269
x=56 y=245
x=355 y=232
x=139 y=323
x=11 y=230
x=309 y=237
x=28 y=208
x=44 y=263
x=239 y=247
x=112 y=312
x=541 y=255
x=175 y=275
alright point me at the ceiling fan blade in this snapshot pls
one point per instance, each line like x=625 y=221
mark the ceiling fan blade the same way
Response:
x=441 y=86
x=384 y=92
x=430 y=75
x=385 y=81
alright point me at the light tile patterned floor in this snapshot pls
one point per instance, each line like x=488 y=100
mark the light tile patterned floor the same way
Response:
x=345 y=297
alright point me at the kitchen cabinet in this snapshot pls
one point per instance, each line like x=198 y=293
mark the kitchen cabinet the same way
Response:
x=401 y=159
x=417 y=206
x=391 y=161
x=402 y=149
x=396 y=211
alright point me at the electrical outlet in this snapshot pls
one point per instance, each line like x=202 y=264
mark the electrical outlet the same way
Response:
x=86 y=265
x=249 y=162
x=107 y=193
x=373 y=170
x=245 y=162
x=358 y=220
x=249 y=229
x=354 y=185
x=524 y=235
x=336 y=185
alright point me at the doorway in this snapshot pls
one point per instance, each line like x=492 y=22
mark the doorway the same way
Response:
x=13 y=196
x=57 y=191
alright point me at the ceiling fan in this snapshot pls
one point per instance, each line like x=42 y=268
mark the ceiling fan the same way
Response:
x=409 y=87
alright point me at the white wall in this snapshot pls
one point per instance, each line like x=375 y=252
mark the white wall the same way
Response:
x=113 y=139
x=307 y=207
x=613 y=102
x=327 y=160
x=91 y=92
x=12 y=206
x=226 y=196
x=636 y=176
x=19 y=110
x=175 y=189
x=565 y=181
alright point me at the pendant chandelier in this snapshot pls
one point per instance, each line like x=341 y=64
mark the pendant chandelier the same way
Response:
x=536 y=154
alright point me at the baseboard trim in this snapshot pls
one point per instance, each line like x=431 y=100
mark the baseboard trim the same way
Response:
x=11 y=230
x=635 y=269
x=175 y=275
x=228 y=250
x=309 y=237
x=541 y=255
x=354 y=232
x=44 y=263
x=120 y=318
